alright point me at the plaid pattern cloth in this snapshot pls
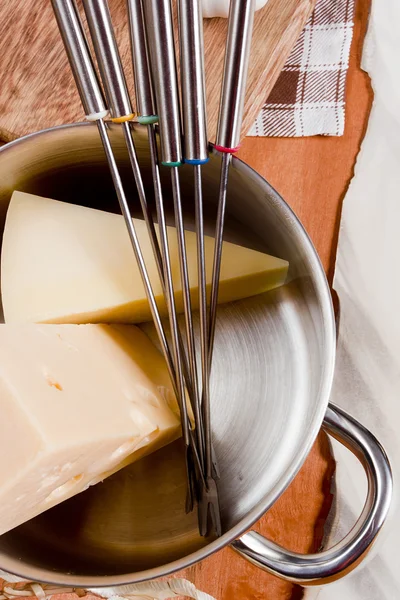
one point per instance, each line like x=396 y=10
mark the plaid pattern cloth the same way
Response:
x=308 y=97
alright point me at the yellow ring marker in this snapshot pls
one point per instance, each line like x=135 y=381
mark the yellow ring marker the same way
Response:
x=123 y=119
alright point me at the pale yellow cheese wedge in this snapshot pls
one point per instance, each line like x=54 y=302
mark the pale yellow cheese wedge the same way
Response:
x=78 y=402
x=63 y=263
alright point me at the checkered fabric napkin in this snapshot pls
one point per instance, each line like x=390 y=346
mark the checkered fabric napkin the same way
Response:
x=308 y=97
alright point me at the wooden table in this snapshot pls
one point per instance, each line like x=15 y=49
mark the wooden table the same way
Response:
x=312 y=175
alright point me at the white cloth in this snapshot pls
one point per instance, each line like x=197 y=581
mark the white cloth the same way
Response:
x=150 y=590
x=367 y=280
x=308 y=97
x=220 y=8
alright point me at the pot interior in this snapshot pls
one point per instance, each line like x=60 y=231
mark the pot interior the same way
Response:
x=270 y=379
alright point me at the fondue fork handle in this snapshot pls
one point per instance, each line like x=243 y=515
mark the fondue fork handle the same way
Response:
x=160 y=38
x=193 y=82
x=80 y=60
x=108 y=60
x=236 y=66
x=145 y=101
x=331 y=564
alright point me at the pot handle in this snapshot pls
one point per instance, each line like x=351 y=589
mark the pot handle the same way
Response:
x=331 y=564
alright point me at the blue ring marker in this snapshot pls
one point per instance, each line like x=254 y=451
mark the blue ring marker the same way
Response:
x=195 y=161
x=148 y=120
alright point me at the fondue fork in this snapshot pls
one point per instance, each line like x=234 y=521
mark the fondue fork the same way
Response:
x=196 y=154
x=236 y=64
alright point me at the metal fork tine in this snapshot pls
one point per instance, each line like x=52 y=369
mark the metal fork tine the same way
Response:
x=190 y=490
x=208 y=509
x=202 y=514
x=213 y=506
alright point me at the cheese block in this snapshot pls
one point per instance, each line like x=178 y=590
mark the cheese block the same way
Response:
x=63 y=263
x=78 y=402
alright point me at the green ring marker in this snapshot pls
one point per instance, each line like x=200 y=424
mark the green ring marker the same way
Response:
x=172 y=164
x=148 y=120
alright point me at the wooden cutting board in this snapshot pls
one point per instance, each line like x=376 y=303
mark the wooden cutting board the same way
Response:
x=37 y=89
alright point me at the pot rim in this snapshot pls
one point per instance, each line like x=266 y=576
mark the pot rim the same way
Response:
x=15 y=567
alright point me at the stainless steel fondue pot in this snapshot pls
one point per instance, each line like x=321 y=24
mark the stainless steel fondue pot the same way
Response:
x=271 y=380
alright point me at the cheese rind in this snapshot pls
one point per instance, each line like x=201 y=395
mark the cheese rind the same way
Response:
x=63 y=263
x=80 y=402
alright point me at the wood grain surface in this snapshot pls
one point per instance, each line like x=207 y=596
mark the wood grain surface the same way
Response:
x=37 y=89
x=312 y=174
